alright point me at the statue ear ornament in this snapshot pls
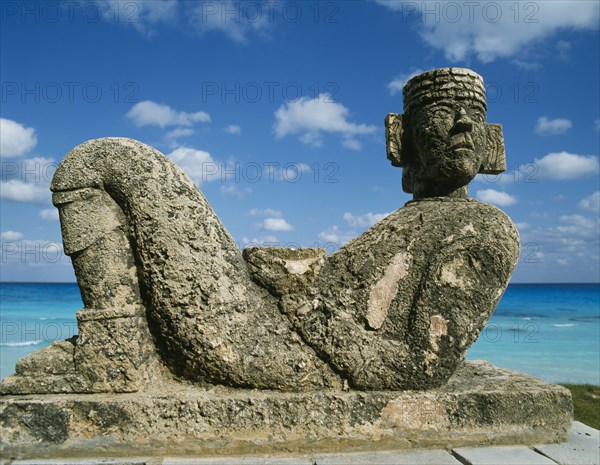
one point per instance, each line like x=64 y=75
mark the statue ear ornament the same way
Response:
x=495 y=154
x=393 y=137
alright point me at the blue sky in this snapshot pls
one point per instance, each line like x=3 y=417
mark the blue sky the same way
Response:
x=276 y=110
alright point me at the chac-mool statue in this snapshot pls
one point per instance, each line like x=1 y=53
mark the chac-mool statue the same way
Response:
x=168 y=294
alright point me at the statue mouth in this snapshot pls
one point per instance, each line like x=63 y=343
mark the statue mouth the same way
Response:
x=462 y=143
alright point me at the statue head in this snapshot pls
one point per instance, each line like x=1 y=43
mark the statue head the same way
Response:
x=442 y=140
x=86 y=215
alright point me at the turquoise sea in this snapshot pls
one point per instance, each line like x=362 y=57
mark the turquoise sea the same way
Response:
x=551 y=331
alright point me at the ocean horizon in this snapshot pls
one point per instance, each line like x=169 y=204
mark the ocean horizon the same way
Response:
x=548 y=330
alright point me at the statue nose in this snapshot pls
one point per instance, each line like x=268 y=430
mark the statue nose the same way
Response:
x=462 y=123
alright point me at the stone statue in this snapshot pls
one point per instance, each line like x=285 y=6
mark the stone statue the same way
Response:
x=168 y=294
x=188 y=346
x=398 y=307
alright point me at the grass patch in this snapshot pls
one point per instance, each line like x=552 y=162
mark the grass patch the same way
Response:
x=586 y=401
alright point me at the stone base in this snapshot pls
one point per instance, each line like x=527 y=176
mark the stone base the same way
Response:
x=480 y=405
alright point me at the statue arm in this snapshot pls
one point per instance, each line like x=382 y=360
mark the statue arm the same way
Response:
x=457 y=295
x=430 y=323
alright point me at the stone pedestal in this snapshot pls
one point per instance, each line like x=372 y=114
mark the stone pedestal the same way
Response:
x=481 y=404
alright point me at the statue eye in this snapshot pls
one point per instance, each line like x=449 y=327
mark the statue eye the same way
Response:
x=477 y=117
x=442 y=112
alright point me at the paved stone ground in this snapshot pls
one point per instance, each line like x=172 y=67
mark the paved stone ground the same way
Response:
x=583 y=448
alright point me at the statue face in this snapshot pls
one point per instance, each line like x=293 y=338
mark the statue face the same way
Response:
x=86 y=216
x=448 y=139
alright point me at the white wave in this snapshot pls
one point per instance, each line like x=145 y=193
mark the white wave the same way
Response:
x=564 y=325
x=20 y=344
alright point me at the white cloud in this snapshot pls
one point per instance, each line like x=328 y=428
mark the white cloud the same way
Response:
x=11 y=235
x=233 y=129
x=314 y=139
x=19 y=191
x=309 y=118
x=499 y=179
x=491 y=30
x=234 y=190
x=234 y=19
x=197 y=164
x=576 y=223
x=49 y=214
x=527 y=65
x=573 y=240
x=563 y=48
x=547 y=127
x=37 y=170
x=291 y=172
x=591 y=202
x=149 y=113
x=363 y=221
x=143 y=16
x=397 y=84
x=597 y=124
x=502 y=199
x=336 y=236
x=259 y=241
x=15 y=139
x=351 y=143
x=565 y=165
x=275 y=224
x=265 y=212
x=339 y=237
x=179 y=132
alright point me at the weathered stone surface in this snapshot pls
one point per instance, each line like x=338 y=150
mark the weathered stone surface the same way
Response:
x=284 y=271
x=162 y=245
x=582 y=449
x=398 y=310
x=114 y=352
x=479 y=405
x=442 y=139
x=186 y=344
x=164 y=284
x=397 y=307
